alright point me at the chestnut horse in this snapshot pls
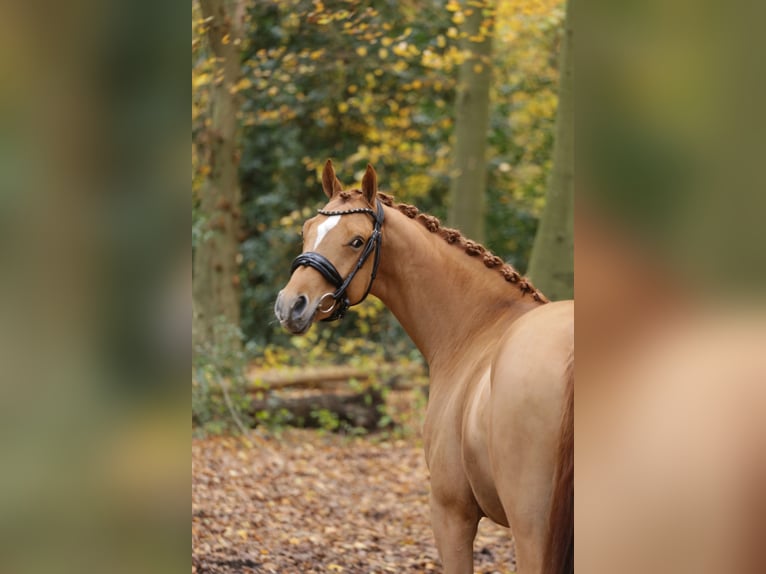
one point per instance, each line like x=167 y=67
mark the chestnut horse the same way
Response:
x=498 y=432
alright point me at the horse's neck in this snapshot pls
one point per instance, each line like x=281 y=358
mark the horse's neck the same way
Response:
x=446 y=300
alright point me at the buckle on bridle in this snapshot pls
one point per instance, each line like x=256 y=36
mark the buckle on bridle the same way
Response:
x=331 y=307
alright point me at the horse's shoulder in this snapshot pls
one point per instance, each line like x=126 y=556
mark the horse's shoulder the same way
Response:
x=544 y=323
x=536 y=346
x=558 y=311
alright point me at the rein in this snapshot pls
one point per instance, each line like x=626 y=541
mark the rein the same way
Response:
x=328 y=271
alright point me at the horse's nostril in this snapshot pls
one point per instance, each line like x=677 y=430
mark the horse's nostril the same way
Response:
x=299 y=306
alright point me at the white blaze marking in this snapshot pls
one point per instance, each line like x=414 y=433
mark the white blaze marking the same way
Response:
x=325 y=227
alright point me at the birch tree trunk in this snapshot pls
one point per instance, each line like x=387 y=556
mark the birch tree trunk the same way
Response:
x=216 y=279
x=551 y=265
x=469 y=172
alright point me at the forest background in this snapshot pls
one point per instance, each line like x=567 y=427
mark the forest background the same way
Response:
x=280 y=86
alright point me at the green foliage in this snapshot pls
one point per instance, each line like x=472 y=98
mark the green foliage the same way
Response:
x=276 y=421
x=219 y=400
x=328 y=420
x=372 y=82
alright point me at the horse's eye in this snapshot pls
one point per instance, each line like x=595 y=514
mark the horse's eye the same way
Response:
x=356 y=242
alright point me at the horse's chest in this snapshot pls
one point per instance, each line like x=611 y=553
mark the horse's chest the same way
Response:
x=475 y=452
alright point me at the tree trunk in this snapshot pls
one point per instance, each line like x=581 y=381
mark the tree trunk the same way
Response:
x=216 y=279
x=551 y=265
x=469 y=172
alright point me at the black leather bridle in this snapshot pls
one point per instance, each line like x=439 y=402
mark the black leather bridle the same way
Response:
x=329 y=272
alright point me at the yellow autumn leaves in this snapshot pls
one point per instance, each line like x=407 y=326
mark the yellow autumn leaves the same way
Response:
x=387 y=117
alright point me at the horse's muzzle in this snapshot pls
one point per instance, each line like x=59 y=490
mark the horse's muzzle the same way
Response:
x=294 y=313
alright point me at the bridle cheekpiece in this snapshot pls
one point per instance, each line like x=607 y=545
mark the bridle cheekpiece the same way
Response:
x=340 y=302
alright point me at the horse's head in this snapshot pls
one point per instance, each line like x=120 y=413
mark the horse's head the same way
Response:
x=341 y=249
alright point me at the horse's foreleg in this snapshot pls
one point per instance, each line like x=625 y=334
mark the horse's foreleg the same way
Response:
x=454 y=529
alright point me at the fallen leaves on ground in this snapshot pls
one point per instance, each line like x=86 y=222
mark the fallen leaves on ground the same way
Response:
x=310 y=502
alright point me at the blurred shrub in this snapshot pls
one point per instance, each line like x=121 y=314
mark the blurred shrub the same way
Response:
x=220 y=402
x=223 y=400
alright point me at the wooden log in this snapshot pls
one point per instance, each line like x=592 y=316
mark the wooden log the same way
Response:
x=337 y=411
x=313 y=377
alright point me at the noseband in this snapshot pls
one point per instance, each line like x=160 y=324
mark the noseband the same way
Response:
x=329 y=272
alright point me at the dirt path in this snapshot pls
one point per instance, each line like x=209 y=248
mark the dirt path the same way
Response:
x=313 y=502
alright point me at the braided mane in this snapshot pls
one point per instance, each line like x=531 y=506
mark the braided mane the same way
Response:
x=454 y=237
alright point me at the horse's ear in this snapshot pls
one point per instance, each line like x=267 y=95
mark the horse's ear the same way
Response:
x=330 y=184
x=370 y=184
